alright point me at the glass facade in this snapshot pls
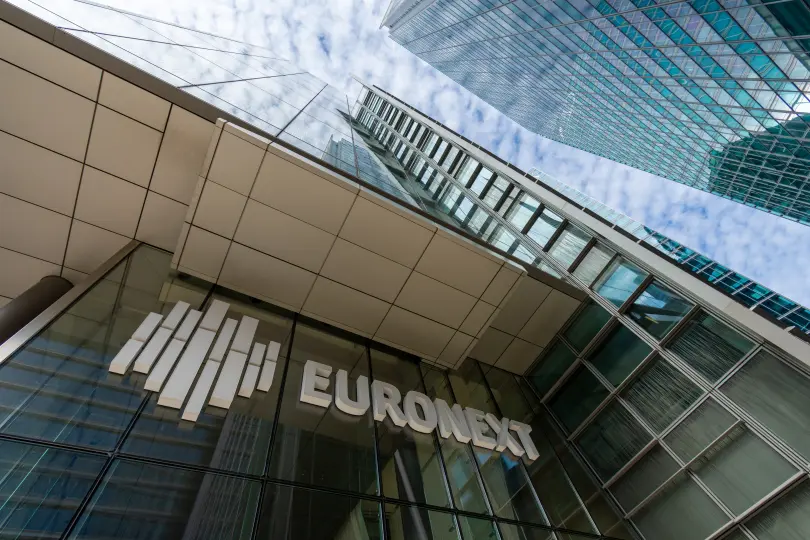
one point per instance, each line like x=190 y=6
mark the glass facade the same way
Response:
x=709 y=93
x=88 y=454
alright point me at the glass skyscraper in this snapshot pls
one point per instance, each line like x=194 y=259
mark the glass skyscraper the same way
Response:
x=711 y=93
x=201 y=202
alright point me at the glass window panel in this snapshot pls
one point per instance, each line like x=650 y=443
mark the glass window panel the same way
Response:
x=552 y=485
x=237 y=439
x=202 y=93
x=587 y=324
x=470 y=389
x=568 y=245
x=709 y=346
x=696 y=431
x=661 y=394
x=324 y=446
x=652 y=470
x=551 y=367
x=619 y=354
x=612 y=439
x=786 y=519
x=682 y=511
x=510 y=492
x=741 y=469
x=776 y=395
x=294 y=513
x=477 y=528
x=58 y=387
x=511 y=531
x=139 y=500
x=546 y=225
x=620 y=280
x=409 y=460
x=458 y=458
x=658 y=309
x=593 y=263
x=408 y=522
x=507 y=393
x=41 y=488
x=577 y=398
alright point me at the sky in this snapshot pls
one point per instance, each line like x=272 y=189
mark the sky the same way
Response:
x=338 y=39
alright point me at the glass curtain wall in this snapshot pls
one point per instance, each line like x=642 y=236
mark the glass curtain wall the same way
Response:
x=695 y=430
x=86 y=454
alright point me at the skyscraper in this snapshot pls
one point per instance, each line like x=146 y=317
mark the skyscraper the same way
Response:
x=267 y=311
x=669 y=88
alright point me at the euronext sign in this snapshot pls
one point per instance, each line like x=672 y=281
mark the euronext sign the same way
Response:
x=417 y=410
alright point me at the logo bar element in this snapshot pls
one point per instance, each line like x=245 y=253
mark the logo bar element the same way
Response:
x=172 y=352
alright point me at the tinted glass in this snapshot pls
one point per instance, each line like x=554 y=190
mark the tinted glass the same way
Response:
x=406 y=522
x=138 y=500
x=318 y=446
x=587 y=324
x=644 y=477
x=619 y=281
x=658 y=309
x=41 y=488
x=710 y=346
x=578 y=398
x=619 y=354
x=786 y=519
x=550 y=367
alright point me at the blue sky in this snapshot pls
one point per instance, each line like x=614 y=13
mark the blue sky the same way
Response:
x=335 y=39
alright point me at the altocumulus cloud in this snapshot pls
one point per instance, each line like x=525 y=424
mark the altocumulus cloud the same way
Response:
x=335 y=39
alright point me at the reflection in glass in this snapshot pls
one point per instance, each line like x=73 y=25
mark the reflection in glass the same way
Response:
x=587 y=324
x=477 y=528
x=707 y=422
x=619 y=354
x=710 y=346
x=410 y=522
x=658 y=309
x=508 y=487
x=40 y=488
x=293 y=513
x=568 y=245
x=612 y=439
x=619 y=281
x=324 y=447
x=593 y=263
x=652 y=470
x=409 y=460
x=139 y=500
x=58 y=387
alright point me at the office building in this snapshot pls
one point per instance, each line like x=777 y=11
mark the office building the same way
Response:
x=247 y=309
x=711 y=94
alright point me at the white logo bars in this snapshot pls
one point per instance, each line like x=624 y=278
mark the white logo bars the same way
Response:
x=149 y=343
x=467 y=425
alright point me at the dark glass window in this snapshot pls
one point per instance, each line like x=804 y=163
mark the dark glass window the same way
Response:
x=709 y=346
x=406 y=522
x=139 y=500
x=587 y=324
x=612 y=439
x=652 y=470
x=409 y=461
x=319 y=446
x=40 y=488
x=658 y=309
x=619 y=354
x=295 y=513
x=786 y=519
x=551 y=367
x=578 y=398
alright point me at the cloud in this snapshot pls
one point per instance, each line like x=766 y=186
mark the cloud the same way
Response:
x=336 y=39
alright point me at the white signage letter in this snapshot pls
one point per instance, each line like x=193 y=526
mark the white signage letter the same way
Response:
x=385 y=399
x=422 y=425
x=475 y=419
x=452 y=422
x=315 y=380
x=523 y=431
x=505 y=439
x=342 y=399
